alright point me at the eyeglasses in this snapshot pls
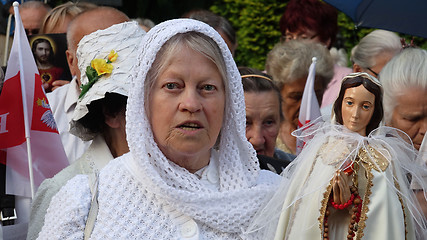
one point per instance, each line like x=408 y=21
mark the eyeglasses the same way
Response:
x=289 y=37
x=376 y=74
x=32 y=31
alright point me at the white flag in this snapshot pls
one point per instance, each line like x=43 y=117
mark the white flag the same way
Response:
x=309 y=109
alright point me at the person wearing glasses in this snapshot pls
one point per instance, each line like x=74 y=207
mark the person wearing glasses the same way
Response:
x=315 y=21
x=374 y=51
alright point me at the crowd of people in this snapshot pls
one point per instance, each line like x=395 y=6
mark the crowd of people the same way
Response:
x=167 y=138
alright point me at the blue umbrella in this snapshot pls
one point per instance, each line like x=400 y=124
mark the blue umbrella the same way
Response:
x=409 y=16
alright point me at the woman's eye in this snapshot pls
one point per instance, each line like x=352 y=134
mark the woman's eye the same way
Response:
x=366 y=107
x=171 y=85
x=209 y=87
x=269 y=122
x=349 y=103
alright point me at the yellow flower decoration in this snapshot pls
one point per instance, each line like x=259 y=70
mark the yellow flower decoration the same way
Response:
x=101 y=66
x=112 y=57
x=97 y=68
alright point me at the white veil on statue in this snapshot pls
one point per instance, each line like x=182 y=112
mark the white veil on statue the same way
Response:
x=297 y=210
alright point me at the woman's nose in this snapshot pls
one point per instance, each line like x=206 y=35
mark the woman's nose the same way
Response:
x=256 y=137
x=190 y=101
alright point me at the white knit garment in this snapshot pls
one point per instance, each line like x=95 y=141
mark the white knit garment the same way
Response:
x=142 y=195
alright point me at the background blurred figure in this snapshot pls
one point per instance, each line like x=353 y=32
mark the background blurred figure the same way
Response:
x=288 y=63
x=404 y=79
x=405 y=93
x=63 y=100
x=219 y=23
x=145 y=23
x=263 y=115
x=32 y=14
x=57 y=20
x=374 y=51
x=314 y=21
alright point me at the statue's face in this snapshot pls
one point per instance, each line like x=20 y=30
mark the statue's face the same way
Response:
x=357 y=109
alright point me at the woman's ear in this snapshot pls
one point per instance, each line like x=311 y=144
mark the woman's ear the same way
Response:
x=357 y=68
x=112 y=122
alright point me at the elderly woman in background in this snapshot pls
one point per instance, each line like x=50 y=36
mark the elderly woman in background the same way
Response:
x=405 y=98
x=190 y=172
x=263 y=117
x=288 y=64
x=405 y=93
x=374 y=51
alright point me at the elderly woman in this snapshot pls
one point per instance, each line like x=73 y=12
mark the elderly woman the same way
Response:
x=263 y=117
x=100 y=111
x=190 y=172
x=374 y=51
x=405 y=93
x=288 y=64
x=405 y=98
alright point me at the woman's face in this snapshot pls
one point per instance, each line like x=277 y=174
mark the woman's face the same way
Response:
x=292 y=96
x=410 y=114
x=186 y=107
x=305 y=35
x=262 y=121
x=357 y=109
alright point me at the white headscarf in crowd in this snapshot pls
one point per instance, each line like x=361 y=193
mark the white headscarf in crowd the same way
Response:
x=231 y=208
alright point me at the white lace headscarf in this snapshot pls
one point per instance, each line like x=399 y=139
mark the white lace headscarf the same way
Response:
x=239 y=197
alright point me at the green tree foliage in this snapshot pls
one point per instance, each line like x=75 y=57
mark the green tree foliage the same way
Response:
x=257 y=26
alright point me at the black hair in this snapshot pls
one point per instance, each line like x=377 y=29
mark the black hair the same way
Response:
x=111 y=105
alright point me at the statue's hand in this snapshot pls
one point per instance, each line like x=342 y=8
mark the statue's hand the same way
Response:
x=341 y=187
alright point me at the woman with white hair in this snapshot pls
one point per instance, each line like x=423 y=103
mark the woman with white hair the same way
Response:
x=190 y=172
x=374 y=51
x=405 y=100
x=405 y=93
x=288 y=64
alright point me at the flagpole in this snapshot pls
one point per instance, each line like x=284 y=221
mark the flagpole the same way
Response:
x=312 y=71
x=24 y=96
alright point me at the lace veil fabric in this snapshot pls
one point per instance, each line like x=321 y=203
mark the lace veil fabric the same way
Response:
x=231 y=208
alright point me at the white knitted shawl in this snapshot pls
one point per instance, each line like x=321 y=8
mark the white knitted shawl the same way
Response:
x=231 y=208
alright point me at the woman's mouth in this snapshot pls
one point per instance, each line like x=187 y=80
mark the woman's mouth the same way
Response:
x=190 y=126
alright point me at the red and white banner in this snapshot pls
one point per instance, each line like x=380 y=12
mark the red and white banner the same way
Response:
x=28 y=131
x=310 y=109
